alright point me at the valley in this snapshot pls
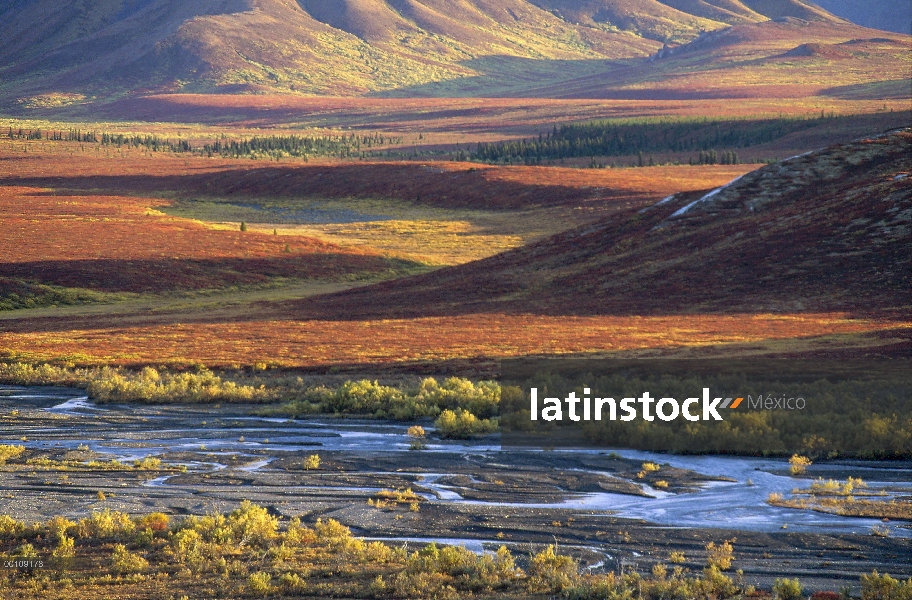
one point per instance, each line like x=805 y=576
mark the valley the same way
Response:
x=266 y=268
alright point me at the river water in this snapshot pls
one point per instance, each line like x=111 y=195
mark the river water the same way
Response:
x=134 y=432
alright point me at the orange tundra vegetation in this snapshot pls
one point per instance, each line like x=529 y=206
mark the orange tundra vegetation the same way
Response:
x=112 y=240
x=365 y=342
x=89 y=229
x=119 y=243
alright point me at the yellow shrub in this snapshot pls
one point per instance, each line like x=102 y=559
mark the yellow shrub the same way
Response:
x=105 y=524
x=10 y=527
x=7 y=452
x=720 y=556
x=799 y=464
x=124 y=562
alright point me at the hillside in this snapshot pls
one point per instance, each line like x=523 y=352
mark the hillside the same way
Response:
x=58 y=53
x=784 y=58
x=825 y=231
x=888 y=16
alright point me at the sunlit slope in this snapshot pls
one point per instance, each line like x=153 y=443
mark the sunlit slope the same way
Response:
x=825 y=231
x=787 y=58
x=322 y=47
x=342 y=47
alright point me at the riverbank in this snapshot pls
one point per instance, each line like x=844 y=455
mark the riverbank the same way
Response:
x=593 y=503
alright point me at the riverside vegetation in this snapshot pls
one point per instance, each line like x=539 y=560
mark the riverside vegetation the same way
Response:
x=250 y=552
x=857 y=425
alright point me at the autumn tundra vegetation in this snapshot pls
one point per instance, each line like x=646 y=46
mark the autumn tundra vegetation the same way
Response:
x=357 y=209
x=249 y=552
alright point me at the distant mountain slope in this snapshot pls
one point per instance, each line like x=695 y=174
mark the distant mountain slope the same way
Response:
x=783 y=58
x=830 y=230
x=888 y=15
x=342 y=46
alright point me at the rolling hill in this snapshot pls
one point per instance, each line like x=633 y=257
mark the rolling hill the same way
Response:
x=829 y=230
x=57 y=53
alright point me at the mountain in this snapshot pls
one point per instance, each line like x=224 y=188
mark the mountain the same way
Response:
x=829 y=230
x=890 y=15
x=65 y=49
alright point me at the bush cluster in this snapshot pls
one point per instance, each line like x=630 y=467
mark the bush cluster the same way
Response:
x=250 y=553
x=370 y=398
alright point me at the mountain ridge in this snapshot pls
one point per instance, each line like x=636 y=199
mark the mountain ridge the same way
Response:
x=343 y=47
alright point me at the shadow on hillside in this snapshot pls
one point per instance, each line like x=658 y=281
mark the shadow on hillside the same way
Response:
x=896 y=89
x=189 y=274
x=376 y=114
x=508 y=76
x=469 y=187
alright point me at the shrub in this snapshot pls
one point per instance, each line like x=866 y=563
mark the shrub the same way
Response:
x=884 y=587
x=252 y=524
x=259 y=583
x=416 y=434
x=292 y=583
x=332 y=533
x=185 y=544
x=551 y=572
x=106 y=524
x=787 y=589
x=799 y=464
x=124 y=562
x=156 y=521
x=58 y=527
x=462 y=424
x=481 y=399
x=312 y=462
x=25 y=551
x=113 y=385
x=720 y=556
x=149 y=463
x=10 y=527
x=650 y=467
x=66 y=548
x=298 y=535
x=8 y=451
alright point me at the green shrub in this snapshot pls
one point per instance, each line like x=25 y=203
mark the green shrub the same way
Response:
x=185 y=545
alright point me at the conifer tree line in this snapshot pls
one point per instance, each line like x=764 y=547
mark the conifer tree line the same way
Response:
x=635 y=137
x=299 y=146
x=714 y=158
x=344 y=146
